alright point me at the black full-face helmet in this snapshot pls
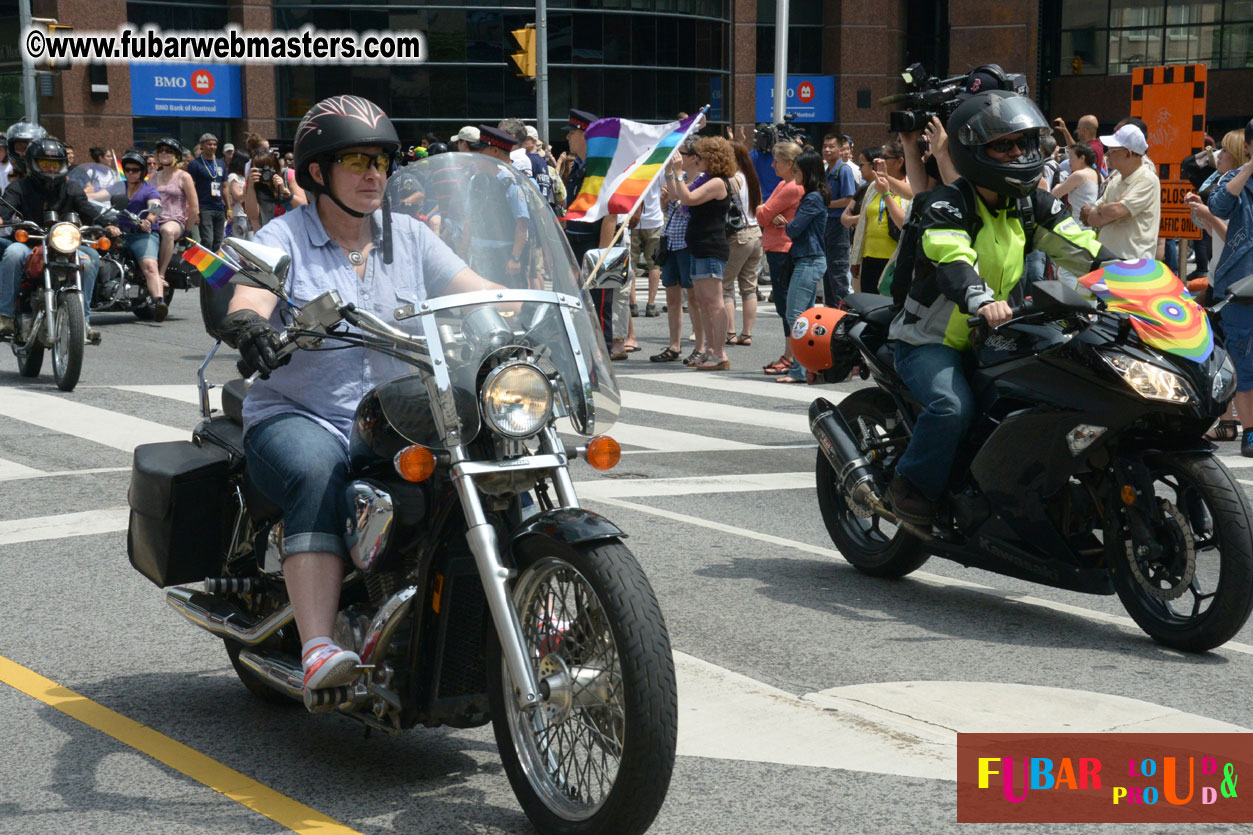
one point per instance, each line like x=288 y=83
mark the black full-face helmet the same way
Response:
x=47 y=162
x=986 y=117
x=21 y=132
x=335 y=124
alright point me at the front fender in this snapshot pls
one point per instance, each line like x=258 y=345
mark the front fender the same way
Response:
x=567 y=525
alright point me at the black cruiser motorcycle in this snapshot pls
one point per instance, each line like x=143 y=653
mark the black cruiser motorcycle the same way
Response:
x=120 y=286
x=50 y=313
x=467 y=602
x=1085 y=469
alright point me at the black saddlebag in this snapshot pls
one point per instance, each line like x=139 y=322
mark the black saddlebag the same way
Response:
x=181 y=512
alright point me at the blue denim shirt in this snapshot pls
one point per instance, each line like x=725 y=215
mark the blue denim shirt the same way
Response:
x=842 y=184
x=1237 y=258
x=808 y=226
x=327 y=385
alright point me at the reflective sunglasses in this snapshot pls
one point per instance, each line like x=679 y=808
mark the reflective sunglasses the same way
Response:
x=359 y=162
x=49 y=165
x=1007 y=144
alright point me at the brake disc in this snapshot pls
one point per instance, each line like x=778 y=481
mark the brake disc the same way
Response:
x=1151 y=575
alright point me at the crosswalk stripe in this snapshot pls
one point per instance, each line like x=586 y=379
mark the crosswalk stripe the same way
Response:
x=765 y=388
x=61 y=473
x=101 y=426
x=704 y=410
x=11 y=470
x=182 y=393
x=85 y=523
x=654 y=487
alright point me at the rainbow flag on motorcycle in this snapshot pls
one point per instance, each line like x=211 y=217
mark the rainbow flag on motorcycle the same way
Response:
x=217 y=271
x=623 y=159
x=1161 y=308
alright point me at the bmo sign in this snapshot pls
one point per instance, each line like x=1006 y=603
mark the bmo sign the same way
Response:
x=195 y=91
x=810 y=97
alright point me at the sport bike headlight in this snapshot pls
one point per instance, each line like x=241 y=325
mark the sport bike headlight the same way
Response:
x=517 y=400
x=1224 y=381
x=1148 y=380
x=65 y=238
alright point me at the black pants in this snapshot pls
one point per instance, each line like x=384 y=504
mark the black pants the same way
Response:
x=871 y=272
x=602 y=299
x=835 y=285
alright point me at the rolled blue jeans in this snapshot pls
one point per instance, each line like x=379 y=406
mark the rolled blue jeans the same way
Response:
x=303 y=468
x=935 y=377
x=13 y=261
x=802 y=290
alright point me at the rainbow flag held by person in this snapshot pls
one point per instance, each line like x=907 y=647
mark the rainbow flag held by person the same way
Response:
x=216 y=270
x=118 y=166
x=1161 y=308
x=623 y=160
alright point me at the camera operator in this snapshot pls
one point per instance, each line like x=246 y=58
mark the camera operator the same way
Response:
x=265 y=190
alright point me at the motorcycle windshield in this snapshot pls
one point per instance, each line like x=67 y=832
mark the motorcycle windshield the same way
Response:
x=487 y=211
x=95 y=180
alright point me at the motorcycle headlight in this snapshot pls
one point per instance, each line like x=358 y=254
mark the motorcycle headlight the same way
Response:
x=1224 y=381
x=517 y=400
x=1148 y=380
x=65 y=238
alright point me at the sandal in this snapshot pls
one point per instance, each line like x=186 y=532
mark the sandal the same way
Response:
x=710 y=364
x=730 y=338
x=668 y=355
x=787 y=379
x=1224 y=430
x=783 y=361
x=694 y=358
x=743 y=339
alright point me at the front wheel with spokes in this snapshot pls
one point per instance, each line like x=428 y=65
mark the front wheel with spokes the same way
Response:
x=1188 y=581
x=597 y=754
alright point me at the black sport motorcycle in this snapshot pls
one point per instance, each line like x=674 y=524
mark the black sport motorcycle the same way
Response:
x=466 y=603
x=1085 y=468
x=50 y=313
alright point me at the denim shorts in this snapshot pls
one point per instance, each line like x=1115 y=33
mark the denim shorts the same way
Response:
x=677 y=269
x=303 y=468
x=141 y=245
x=1239 y=344
x=707 y=268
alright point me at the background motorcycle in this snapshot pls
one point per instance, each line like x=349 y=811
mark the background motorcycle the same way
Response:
x=1085 y=468
x=50 y=310
x=120 y=285
x=464 y=607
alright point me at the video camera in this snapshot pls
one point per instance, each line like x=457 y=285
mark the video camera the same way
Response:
x=767 y=135
x=931 y=96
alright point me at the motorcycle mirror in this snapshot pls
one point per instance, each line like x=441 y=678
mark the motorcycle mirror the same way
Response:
x=154 y=208
x=612 y=272
x=1057 y=295
x=118 y=200
x=1242 y=291
x=263 y=265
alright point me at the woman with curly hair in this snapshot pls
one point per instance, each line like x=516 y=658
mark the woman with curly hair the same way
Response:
x=706 y=203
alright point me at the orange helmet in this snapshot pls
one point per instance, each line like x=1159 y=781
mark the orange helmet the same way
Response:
x=811 y=337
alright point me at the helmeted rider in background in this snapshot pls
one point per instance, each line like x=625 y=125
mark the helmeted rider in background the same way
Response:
x=46 y=188
x=970 y=261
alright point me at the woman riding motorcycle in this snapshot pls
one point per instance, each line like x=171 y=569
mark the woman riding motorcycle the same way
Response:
x=297 y=418
x=970 y=261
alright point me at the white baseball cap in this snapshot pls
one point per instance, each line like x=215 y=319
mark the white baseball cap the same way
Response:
x=227 y=148
x=467 y=134
x=531 y=132
x=1129 y=137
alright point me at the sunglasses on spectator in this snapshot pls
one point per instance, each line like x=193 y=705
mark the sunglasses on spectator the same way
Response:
x=1007 y=144
x=359 y=162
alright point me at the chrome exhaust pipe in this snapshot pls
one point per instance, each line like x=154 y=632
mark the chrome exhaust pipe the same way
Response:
x=858 y=481
x=215 y=615
x=276 y=671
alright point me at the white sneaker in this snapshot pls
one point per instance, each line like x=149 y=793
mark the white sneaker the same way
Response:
x=326 y=665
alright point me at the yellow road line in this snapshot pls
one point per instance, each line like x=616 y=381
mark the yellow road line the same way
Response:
x=238 y=787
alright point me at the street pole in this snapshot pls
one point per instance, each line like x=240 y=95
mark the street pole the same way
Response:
x=541 y=69
x=28 y=67
x=780 y=59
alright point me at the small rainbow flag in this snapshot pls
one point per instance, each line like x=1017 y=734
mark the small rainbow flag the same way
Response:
x=118 y=165
x=623 y=159
x=216 y=271
x=1161 y=308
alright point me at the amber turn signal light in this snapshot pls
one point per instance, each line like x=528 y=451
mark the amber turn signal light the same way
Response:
x=415 y=463
x=1128 y=494
x=603 y=452
x=21 y=236
x=103 y=244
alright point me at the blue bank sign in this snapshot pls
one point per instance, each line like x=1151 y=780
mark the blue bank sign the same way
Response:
x=196 y=91
x=810 y=97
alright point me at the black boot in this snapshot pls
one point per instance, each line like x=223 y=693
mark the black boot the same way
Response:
x=908 y=502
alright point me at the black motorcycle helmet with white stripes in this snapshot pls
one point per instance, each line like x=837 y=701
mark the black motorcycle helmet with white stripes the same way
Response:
x=335 y=124
x=986 y=117
x=47 y=163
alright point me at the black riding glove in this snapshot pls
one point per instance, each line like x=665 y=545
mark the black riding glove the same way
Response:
x=257 y=341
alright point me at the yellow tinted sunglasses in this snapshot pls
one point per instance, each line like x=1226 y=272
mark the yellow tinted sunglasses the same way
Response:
x=358 y=162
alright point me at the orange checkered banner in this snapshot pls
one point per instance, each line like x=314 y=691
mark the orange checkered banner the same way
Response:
x=1171 y=101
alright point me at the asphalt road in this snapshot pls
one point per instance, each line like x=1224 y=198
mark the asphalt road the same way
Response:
x=812 y=698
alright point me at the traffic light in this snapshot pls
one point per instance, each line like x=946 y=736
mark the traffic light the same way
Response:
x=54 y=29
x=524 y=60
